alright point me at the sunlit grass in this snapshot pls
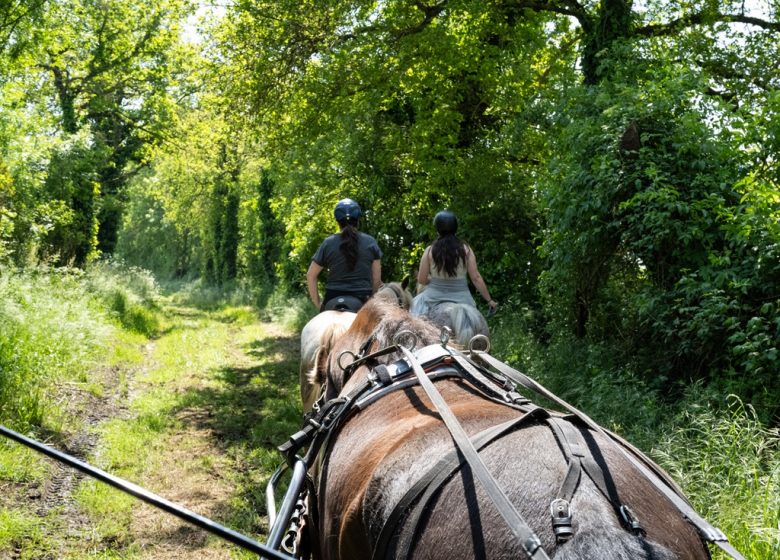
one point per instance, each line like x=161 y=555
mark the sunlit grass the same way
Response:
x=18 y=527
x=109 y=509
x=19 y=464
x=52 y=331
x=730 y=464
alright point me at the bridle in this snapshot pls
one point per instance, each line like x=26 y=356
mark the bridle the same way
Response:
x=497 y=382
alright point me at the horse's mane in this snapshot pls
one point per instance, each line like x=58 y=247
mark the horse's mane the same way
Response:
x=382 y=320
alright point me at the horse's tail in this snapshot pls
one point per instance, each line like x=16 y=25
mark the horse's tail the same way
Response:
x=316 y=375
x=467 y=322
x=612 y=544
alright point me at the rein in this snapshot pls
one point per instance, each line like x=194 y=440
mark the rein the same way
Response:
x=438 y=361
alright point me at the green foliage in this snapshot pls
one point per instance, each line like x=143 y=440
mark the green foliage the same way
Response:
x=654 y=243
x=72 y=185
x=91 y=88
x=128 y=294
x=404 y=119
x=717 y=448
x=49 y=332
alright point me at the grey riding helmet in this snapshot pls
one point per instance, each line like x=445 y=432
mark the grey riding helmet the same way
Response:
x=347 y=209
x=446 y=222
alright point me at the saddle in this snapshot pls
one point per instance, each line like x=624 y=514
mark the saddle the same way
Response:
x=343 y=303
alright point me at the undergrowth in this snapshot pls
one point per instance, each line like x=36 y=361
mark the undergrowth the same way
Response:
x=55 y=323
x=713 y=444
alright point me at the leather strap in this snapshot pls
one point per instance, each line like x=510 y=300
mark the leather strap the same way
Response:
x=653 y=473
x=432 y=481
x=517 y=525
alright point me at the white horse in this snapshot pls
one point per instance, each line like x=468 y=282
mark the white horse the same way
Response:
x=321 y=332
x=464 y=320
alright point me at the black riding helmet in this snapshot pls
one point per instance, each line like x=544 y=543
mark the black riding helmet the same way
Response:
x=446 y=222
x=347 y=209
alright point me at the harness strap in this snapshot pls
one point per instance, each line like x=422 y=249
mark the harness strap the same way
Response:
x=560 y=507
x=651 y=471
x=432 y=481
x=573 y=443
x=520 y=529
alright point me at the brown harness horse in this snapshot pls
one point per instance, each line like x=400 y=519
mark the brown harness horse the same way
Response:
x=392 y=484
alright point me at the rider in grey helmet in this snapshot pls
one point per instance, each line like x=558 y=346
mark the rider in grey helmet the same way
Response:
x=352 y=258
x=445 y=268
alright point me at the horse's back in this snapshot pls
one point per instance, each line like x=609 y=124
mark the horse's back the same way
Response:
x=396 y=442
x=464 y=320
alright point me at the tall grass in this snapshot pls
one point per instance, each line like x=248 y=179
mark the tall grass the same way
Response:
x=54 y=324
x=730 y=463
x=49 y=329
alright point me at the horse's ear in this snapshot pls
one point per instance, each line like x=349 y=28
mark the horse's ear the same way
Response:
x=405 y=282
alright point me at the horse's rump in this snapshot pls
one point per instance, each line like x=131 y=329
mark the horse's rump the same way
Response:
x=318 y=337
x=383 y=449
x=464 y=320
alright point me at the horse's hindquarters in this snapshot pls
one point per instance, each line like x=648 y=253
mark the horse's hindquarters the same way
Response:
x=383 y=451
x=318 y=336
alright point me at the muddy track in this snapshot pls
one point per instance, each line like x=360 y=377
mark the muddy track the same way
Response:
x=89 y=411
x=232 y=397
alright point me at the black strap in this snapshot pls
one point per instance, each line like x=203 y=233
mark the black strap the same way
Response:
x=431 y=481
x=520 y=529
x=647 y=467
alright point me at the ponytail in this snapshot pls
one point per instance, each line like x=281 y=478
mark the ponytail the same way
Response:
x=349 y=242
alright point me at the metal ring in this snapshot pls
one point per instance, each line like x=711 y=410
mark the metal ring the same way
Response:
x=351 y=354
x=405 y=335
x=477 y=339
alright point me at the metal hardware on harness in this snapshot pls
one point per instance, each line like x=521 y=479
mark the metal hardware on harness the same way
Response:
x=479 y=338
x=630 y=520
x=380 y=375
x=289 y=543
x=404 y=336
x=643 y=464
x=514 y=521
x=350 y=354
x=560 y=510
x=282 y=521
x=444 y=335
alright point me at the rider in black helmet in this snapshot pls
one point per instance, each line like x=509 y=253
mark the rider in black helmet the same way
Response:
x=445 y=267
x=353 y=260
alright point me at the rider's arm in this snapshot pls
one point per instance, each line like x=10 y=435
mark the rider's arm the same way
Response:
x=311 y=282
x=376 y=275
x=476 y=279
x=425 y=268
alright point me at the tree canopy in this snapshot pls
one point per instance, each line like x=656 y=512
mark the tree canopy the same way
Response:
x=613 y=163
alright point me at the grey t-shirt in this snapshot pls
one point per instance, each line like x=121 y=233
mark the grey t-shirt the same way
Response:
x=339 y=276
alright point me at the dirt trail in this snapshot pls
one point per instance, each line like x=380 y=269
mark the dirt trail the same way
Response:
x=226 y=381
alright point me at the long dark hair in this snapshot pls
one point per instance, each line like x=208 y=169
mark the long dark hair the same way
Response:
x=349 y=242
x=447 y=252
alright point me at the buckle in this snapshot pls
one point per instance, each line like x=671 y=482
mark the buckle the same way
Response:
x=630 y=521
x=560 y=511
